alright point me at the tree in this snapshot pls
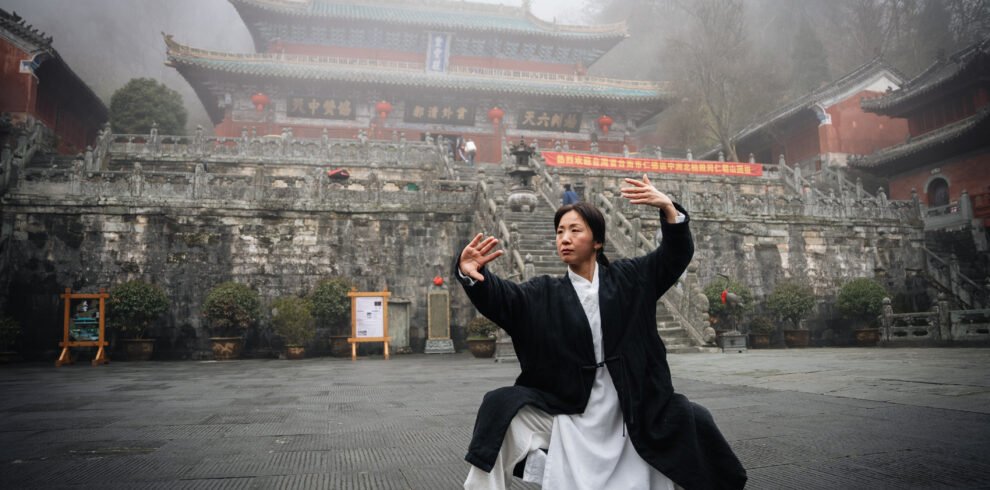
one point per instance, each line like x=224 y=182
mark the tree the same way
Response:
x=792 y=300
x=809 y=62
x=713 y=56
x=144 y=101
x=861 y=300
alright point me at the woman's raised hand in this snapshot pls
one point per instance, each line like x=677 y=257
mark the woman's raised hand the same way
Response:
x=643 y=192
x=476 y=254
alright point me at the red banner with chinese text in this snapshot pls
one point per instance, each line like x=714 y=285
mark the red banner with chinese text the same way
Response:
x=631 y=164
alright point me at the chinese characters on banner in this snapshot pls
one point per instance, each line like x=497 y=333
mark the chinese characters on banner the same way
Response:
x=320 y=108
x=639 y=165
x=438 y=52
x=550 y=121
x=439 y=113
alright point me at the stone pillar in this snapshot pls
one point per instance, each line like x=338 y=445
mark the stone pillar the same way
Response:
x=398 y=324
x=438 y=322
x=886 y=320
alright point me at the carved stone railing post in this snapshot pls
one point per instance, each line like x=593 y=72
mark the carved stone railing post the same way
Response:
x=199 y=182
x=943 y=315
x=886 y=320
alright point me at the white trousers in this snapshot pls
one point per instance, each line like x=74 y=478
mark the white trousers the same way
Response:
x=529 y=431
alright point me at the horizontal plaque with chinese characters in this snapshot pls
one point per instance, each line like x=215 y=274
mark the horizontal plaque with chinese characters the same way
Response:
x=550 y=121
x=739 y=169
x=320 y=107
x=439 y=113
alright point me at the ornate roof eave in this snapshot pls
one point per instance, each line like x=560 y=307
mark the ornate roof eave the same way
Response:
x=461 y=16
x=943 y=71
x=932 y=142
x=411 y=75
x=41 y=48
x=811 y=103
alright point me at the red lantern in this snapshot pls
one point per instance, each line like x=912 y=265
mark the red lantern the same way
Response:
x=725 y=293
x=260 y=100
x=383 y=108
x=438 y=281
x=605 y=123
x=495 y=115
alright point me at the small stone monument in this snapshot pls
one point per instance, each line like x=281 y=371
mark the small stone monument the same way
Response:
x=438 y=322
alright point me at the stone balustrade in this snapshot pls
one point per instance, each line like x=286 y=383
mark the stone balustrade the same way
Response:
x=941 y=325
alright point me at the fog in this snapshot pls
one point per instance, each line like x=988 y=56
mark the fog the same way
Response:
x=784 y=48
x=108 y=42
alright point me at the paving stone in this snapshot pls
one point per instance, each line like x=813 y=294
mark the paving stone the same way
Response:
x=406 y=423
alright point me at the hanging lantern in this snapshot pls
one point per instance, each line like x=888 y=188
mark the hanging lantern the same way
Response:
x=438 y=281
x=604 y=123
x=495 y=115
x=260 y=101
x=383 y=108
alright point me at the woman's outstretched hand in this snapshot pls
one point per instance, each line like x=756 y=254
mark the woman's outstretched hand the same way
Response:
x=643 y=192
x=476 y=254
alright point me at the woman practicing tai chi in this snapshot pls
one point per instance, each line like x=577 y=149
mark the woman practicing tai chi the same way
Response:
x=593 y=407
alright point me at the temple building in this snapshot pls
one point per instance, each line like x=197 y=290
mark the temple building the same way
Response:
x=948 y=152
x=391 y=69
x=37 y=85
x=823 y=128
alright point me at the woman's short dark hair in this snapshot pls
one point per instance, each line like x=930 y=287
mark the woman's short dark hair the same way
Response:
x=593 y=217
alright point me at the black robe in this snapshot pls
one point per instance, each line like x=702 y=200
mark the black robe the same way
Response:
x=552 y=339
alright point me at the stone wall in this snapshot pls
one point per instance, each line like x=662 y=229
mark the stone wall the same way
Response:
x=270 y=228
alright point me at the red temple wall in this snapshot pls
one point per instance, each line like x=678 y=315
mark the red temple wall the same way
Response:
x=947 y=110
x=19 y=89
x=861 y=133
x=970 y=173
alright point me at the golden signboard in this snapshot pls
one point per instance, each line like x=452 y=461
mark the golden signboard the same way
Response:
x=320 y=107
x=439 y=113
x=549 y=121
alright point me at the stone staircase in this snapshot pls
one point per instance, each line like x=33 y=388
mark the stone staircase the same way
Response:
x=535 y=237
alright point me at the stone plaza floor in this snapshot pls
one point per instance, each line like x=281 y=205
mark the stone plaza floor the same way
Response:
x=811 y=418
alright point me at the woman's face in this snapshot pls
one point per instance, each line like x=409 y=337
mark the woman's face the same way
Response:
x=575 y=241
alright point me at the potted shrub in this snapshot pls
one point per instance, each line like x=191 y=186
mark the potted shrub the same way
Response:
x=861 y=301
x=292 y=319
x=133 y=306
x=332 y=310
x=759 y=332
x=726 y=315
x=231 y=308
x=481 y=337
x=9 y=330
x=792 y=301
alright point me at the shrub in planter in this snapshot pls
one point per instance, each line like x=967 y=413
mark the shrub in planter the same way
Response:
x=861 y=300
x=133 y=306
x=481 y=337
x=231 y=308
x=759 y=332
x=9 y=330
x=726 y=318
x=792 y=301
x=332 y=310
x=292 y=319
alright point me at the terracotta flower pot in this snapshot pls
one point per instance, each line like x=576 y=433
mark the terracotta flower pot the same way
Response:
x=867 y=337
x=138 y=349
x=295 y=352
x=759 y=340
x=226 y=348
x=481 y=348
x=339 y=347
x=796 y=338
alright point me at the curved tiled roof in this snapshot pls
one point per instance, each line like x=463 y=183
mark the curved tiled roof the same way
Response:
x=414 y=75
x=437 y=14
x=943 y=71
x=932 y=141
x=16 y=26
x=808 y=102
